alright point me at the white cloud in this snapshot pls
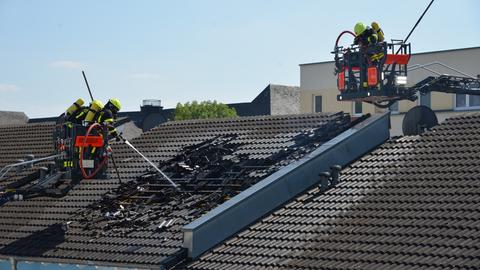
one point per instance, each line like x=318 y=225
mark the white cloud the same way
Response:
x=145 y=76
x=66 y=64
x=4 y=88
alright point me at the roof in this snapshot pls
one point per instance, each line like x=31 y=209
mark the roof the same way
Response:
x=420 y=53
x=137 y=223
x=17 y=141
x=412 y=203
x=10 y=118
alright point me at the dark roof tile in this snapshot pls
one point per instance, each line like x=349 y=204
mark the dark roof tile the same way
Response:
x=87 y=239
x=411 y=203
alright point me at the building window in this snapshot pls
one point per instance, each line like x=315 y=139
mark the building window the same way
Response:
x=463 y=102
x=467 y=102
x=426 y=100
x=357 y=107
x=474 y=101
x=317 y=103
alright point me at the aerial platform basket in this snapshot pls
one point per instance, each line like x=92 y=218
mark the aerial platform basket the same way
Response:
x=374 y=74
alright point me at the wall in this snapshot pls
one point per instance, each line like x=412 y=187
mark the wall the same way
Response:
x=284 y=99
x=318 y=79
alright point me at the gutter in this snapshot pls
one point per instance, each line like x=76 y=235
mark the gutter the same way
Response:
x=14 y=260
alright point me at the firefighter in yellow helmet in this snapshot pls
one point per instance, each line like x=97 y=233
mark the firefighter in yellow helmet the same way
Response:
x=365 y=35
x=108 y=116
x=368 y=38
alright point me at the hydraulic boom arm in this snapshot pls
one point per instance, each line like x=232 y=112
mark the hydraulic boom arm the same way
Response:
x=448 y=84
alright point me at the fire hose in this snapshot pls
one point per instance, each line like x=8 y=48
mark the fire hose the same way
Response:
x=341 y=34
x=102 y=163
x=336 y=49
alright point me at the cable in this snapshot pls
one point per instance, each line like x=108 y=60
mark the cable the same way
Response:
x=411 y=31
x=415 y=26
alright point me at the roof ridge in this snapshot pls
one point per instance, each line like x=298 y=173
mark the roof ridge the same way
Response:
x=244 y=118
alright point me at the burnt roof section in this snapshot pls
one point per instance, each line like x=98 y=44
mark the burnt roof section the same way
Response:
x=412 y=203
x=138 y=223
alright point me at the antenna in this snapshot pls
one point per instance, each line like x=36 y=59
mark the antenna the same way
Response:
x=86 y=82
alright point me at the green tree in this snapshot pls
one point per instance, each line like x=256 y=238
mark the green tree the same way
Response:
x=203 y=110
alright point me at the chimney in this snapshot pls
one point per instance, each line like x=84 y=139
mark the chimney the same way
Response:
x=151 y=106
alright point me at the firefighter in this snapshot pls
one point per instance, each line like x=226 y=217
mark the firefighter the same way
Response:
x=365 y=35
x=82 y=114
x=69 y=115
x=78 y=114
x=74 y=108
x=108 y=116
x=379 y=31
x=368 y=38
x=94 y=113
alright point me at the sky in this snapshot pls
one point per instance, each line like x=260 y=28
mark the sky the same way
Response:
x=179 y=51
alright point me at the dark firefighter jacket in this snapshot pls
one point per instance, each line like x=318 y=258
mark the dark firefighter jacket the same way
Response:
x=104 y=116
x=367 y=38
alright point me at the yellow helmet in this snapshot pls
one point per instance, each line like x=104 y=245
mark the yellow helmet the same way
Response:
x=359 y=28
x=115 y=103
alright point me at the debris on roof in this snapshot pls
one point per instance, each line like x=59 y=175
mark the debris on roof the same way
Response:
x=211 y=171
x=137 y=223
x=411 y=203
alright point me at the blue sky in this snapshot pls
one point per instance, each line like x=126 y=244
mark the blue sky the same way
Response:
x=179 y=51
